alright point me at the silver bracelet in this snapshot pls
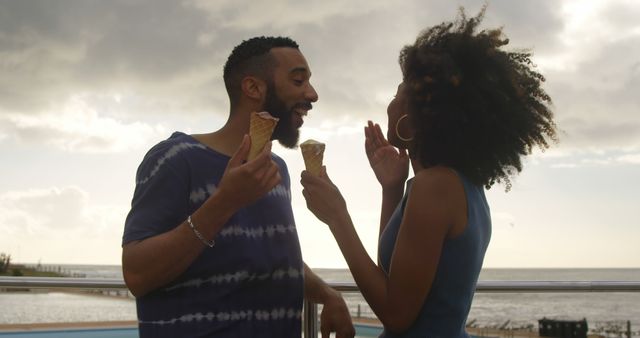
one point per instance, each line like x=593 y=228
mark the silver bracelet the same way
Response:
x=199 y=235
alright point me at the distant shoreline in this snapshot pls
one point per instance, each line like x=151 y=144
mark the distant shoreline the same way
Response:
x=21 y=270
x=345 y=268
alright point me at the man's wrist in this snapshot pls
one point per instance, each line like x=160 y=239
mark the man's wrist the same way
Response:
x=216 y=207
x=220 y=197
x=316 y=290
x=324 y=294
x=222 y=203
x=331 y=296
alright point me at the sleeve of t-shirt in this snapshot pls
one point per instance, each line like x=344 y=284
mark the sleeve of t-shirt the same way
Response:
x=160 y=200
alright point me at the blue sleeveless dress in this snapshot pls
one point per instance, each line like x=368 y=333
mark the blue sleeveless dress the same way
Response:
x=445 y=310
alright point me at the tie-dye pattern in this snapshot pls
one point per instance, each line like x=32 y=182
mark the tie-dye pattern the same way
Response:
x=250 y=283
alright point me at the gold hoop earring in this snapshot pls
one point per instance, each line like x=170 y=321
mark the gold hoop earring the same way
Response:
x=398 y=132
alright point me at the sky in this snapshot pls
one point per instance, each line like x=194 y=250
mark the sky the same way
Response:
x=88 y=86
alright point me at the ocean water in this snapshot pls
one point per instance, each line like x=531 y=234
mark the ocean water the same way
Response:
x=488 y=309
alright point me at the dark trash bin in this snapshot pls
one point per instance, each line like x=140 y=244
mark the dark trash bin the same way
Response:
x=563 y=328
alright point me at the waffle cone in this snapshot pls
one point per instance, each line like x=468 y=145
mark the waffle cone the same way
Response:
x=313 y=154
x=260 y=129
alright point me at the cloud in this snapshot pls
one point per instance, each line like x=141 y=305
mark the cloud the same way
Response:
x=252 y=15
x=60 y=225
x=354 y=57
x=594 y=159
x=164 y=58
x=503 y=219
x=629 y=159
x=598 y=132
x=52 y=50
x=41 y=213
x=37 y=210
x=77 y=127
x=81 y=75
x=596 y=77
x=171 y=53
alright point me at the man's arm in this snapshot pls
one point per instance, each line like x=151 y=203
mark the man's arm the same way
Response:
x=155 y=261
x=335 y=315
x=315 y=289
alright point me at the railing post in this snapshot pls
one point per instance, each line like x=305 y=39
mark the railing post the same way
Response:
x=310 y=323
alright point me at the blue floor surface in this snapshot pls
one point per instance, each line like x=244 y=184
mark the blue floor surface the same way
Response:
x=72 y=333
x=361 y=331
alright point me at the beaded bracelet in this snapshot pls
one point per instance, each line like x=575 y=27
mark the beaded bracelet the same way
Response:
x=199 y=235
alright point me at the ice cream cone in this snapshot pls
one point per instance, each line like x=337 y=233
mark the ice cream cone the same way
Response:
x=260 y=129
x=313 y=153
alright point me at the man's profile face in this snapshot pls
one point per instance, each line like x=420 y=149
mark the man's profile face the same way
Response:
x=289 y=94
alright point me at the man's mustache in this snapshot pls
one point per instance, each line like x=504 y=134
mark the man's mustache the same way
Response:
x=303 y=105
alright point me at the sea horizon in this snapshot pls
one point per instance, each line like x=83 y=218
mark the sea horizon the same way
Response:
x=346 y=268
x=488 y=309
x=344 y=275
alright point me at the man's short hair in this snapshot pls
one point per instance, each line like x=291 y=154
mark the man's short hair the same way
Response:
x=251 y=57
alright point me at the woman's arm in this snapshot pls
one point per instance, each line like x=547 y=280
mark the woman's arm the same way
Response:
x=391 y=197
x=431 y=209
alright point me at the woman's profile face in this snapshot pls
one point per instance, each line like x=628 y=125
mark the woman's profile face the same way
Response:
x=396 y=109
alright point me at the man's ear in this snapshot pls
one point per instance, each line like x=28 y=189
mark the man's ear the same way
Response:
x=254 y=88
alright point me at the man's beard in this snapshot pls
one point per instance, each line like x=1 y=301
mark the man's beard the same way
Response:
x=284 y=132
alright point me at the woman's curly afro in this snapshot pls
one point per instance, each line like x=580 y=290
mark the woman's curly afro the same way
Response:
x=475 y=107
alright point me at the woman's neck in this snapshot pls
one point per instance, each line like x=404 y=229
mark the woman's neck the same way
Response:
x=416 y=165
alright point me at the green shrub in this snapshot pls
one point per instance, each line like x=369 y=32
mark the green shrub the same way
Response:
x=5 y=260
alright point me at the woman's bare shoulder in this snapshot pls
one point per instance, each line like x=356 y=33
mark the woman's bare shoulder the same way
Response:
x=437 y=179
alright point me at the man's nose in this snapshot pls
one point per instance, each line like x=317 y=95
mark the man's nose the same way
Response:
x=311 y=94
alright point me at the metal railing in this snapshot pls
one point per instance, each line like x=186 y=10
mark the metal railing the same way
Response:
x=61 y=283
x=310 y=323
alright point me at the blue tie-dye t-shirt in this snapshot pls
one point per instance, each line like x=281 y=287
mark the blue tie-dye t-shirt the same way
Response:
x=250 y=284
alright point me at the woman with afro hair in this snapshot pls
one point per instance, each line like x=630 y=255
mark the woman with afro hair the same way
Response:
x=464 y=116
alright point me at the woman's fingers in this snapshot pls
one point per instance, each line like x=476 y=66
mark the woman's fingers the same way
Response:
x=374 y=139
x=382 y=141
x=368 y=142
x=367 y=130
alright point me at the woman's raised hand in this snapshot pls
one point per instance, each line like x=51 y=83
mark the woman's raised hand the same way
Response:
x=390 y=165
x=323 y=198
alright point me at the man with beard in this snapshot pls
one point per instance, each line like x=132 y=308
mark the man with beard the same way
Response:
x=210 y=247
